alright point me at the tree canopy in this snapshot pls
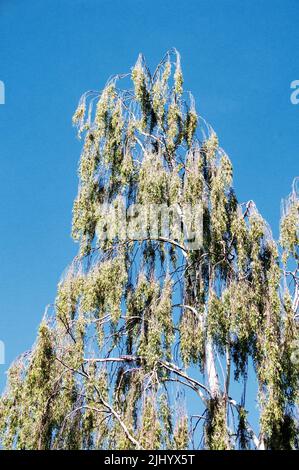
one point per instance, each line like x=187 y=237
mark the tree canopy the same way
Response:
x=178 y=298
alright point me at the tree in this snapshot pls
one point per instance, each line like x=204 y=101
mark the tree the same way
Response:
x=158 y=327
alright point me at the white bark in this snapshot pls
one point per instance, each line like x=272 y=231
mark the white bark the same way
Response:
x=211 y=373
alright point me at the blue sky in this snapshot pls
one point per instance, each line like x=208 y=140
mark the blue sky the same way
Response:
x=238 y=58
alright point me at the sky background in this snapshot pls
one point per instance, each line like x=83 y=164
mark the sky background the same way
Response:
x=238 y=59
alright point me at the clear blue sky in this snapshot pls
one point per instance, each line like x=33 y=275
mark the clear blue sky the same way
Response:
x=239 y=59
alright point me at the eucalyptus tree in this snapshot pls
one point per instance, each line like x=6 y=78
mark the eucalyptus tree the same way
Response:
x=179 y=296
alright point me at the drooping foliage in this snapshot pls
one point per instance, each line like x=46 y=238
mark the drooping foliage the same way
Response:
x=151 y=340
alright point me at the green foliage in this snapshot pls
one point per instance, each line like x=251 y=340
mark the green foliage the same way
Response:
x=181 y=434
x=216 y=429
x=136 y=322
